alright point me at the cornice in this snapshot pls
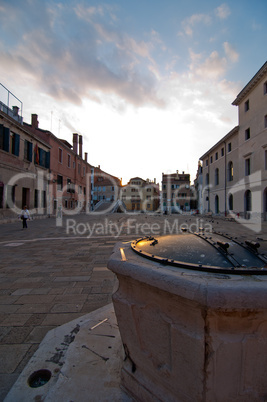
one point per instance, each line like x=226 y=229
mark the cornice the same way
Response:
x=251 y=84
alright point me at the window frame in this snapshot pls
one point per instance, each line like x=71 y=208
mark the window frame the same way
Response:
x=60 y=155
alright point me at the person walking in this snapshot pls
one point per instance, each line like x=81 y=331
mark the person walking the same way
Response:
x=24 y=216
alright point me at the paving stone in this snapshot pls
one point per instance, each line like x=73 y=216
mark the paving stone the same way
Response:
x=30 y=299
x=60 y=318
x=34 y=308
x=11 y=356
x=6 y=381
x=15 y=320
x=16 y=335
x=38 y=334
x=72 y=278
x=66 y=308
x=20 y=292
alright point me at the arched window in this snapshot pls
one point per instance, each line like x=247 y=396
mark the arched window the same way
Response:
x=265 y=204
x=216 y=204
x=216 y=177
x=231 y=202
x=230 y=171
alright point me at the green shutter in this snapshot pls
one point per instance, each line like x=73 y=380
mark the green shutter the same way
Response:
x=47 y=160
x=30 y=151
x=17 y=143
x=1 y=136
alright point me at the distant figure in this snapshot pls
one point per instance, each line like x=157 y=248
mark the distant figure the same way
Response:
x=24 y=216
x=59 y=212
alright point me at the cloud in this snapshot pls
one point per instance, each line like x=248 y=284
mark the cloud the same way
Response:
x=230 y=53
x=223 y=11
x=189 y=23
x=77 y=53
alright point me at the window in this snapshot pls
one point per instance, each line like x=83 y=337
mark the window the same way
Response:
x=1 y=194
x=59 y=182
x=231 y=202
x=14 y=141
x=217 y=209
x=222 y=152
x=84 y=171
x=79 y=168
x=36 y=198
x=43 y=199
x=248 y=201
x=207 y=179
x=68 y=160
x=247 y=105
x=42 y=157
x=10 y=196
x=73 y=165
x=216 y=156
x=69 y=190
x=265 y=160
x=4 y=138
x=265 y=121
x=28 y=150
x=229 y=147
x=247 y=167
x=265 y=88
x=247 y=134
x=211 y=159
x=216 y=177
x=60 y=155
x=230 y=171
x=207 y=162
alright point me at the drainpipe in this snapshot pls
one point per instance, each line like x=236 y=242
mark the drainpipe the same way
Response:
x=209 y=183
x=225 y=172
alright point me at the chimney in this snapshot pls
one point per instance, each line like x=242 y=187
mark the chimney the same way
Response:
x=85 y=156
x=80 y=146
x=75 y=142
x=15 y=110
x=35 y=122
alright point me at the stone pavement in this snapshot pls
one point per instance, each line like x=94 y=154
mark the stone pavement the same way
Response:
x=50 y=275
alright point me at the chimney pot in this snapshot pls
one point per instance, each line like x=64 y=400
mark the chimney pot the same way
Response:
x=35 y=122
x=15 y=110
x=80 y=146
x=75 y=142
x=85 y=156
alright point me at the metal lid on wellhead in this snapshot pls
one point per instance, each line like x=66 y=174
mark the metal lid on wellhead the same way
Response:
x=212 y=252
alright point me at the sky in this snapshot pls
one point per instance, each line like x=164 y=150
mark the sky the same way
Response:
x=149 y=84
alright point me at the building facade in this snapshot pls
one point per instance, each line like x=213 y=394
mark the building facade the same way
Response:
x=141 y=195
x=70 y=174
x=235 y=169
x=24 y=167
x=176 y=193
x=105 y=188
